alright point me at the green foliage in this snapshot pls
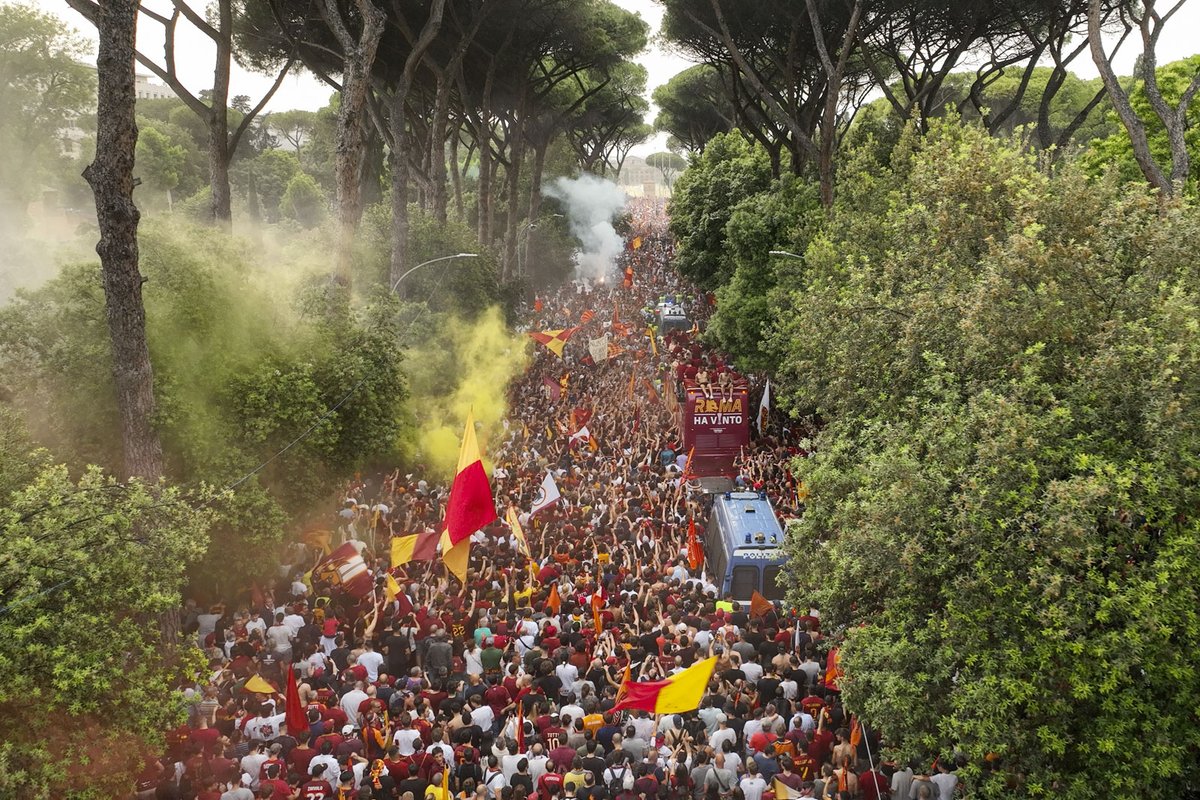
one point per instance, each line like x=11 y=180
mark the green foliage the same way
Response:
x=270 y=174
x=303 y=201
x=1114 y=152
x=1003 y=505
x=87 y=567
x=44 y=88
x=461 y=286
x=240 y=372
x=784 y=217
x=160 y=162
x=727 y=172
x=693 y=107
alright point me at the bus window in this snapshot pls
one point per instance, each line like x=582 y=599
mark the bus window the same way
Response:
x=744 y=582
x=773 y=588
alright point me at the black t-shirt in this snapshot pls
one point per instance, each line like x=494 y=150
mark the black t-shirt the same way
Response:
x=341 y=657
x=595 y=765
x=731 y=675
x=768 y=688
x=596 y=792
x=549 y=684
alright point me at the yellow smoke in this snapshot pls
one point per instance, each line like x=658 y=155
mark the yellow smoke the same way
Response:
x=465 y=366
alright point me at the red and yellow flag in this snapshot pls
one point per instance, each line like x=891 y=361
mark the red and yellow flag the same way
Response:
x=470 y=506
x=679 y=693
x=587 y=316
x=413 y=547
x=554 y=341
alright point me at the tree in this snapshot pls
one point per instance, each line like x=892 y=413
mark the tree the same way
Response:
x=1116 y=151
x=159 y=161
x=303 y=201
x=693 y=107
x=91 y=561
x=1001 y=513
x=728 y=171
x=211 y=105
x=45 y=88
x=669 y=164
x=1150 y=22
x=294 y=126
x=111 y=177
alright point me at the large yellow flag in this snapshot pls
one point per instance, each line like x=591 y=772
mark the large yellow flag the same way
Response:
x=679 y=693
x=510 y=517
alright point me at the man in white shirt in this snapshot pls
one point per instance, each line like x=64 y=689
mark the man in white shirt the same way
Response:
x=351 y=701
x=753 y=671
x=372 y=661
x=752 y=783
x=567 y=672
x=482 y=714
x=405 y=740
x=537 y=762
x=294 y=622
x=252 y=763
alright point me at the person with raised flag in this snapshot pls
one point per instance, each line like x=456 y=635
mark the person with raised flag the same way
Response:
x=555 y=340
x=679 y=693
x=470 y=506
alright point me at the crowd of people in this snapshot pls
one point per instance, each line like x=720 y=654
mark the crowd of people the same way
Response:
x=502 y=687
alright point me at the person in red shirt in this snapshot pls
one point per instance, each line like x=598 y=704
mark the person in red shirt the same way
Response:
x=550 y=784
x=301 y=756
x=318 y=788
x=272 y=780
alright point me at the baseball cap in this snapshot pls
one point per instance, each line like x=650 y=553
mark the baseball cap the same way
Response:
x=347 y=729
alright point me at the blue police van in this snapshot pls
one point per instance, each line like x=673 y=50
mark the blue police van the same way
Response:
x=744 y=546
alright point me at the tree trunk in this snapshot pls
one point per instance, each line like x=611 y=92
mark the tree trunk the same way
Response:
x=460 y=212
x=358 y=56
x=111 y=177
x=400 y=177
x=516 y=155
x=437 y=149
x=218 y=130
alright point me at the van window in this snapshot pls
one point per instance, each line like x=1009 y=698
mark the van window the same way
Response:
x=744 y=582
x=773 y=586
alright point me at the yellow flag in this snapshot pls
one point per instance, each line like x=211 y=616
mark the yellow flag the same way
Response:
x=510 y=517
x=403 y=548
x=456 y=556
x=259 y=686
x=684 y=690
x=392 y=590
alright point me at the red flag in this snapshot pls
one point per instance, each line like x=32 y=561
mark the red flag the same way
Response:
x=470 y=505
x=759 y=605
x=695 y=552
x=628 y=282
x=537 y=305
x=520 y=727
x=296 y=719
x=554 y=387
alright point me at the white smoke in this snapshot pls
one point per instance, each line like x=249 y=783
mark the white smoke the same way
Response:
x=592 y=204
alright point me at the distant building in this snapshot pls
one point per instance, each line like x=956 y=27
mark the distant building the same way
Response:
x=150 y=89
x=641 y=180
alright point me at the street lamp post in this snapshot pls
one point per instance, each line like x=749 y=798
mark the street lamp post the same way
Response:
x=523 y=240
x=431 y=261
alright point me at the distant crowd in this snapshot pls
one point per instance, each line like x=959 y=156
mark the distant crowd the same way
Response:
x=503 y=688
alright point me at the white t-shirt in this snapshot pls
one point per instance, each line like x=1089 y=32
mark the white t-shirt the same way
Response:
x=372 y=661
x=350 y=703
x=404 y=740
x=753 y=787
x=945 y=781
x=483 y=717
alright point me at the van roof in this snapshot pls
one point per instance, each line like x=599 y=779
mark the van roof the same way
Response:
x=742 y=514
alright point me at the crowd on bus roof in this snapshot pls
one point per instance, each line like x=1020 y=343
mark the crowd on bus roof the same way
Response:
x=502 y=688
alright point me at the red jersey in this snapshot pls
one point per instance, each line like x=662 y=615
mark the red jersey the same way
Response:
x=316 y=790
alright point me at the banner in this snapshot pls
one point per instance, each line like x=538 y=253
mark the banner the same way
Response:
x=598 y=348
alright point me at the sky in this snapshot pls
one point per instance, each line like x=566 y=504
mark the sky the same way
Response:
x=194 y=54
